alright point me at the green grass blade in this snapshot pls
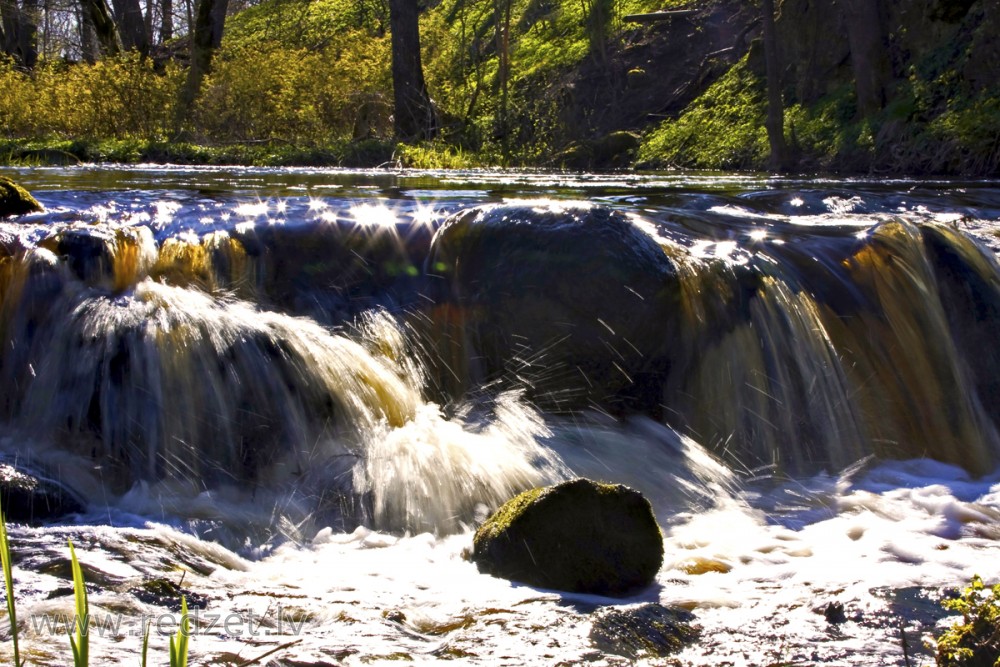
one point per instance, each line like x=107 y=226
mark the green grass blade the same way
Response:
x=9 y=583
x=81 y=643
x=179 y=643
x=145 y=643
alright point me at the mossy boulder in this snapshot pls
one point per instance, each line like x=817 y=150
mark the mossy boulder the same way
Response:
x=15 y=200
x=568 y=300
x=579 y=536
x=612 y=151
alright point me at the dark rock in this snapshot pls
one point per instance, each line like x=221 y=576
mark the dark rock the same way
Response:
x=165 y=593
x=614 y=151
x=566 y=300
x=834 y=613
x=577 y=156
x=332 y=272
x=647 y=631
x=15 y=200
x=89 y=253
x=578 y=536
x=28 y=498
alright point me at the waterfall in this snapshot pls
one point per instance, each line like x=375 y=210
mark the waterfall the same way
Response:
x=795 y=355
x=315 y=358
x=147 y=381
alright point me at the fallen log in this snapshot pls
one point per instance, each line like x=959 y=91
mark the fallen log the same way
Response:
x=655 y=17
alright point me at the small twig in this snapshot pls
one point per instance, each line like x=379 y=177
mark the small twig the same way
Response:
x=902 y=640
x=271 y=652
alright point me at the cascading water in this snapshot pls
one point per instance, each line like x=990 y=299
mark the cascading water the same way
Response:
x=790 y=383
x=819 y=356
x=147 y=382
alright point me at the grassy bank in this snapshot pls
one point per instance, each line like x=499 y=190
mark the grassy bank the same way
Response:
x=357 y=154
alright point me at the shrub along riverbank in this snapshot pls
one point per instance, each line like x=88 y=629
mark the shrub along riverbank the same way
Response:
x=556 y=84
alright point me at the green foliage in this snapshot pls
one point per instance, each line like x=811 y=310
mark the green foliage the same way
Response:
x=9 y=583
x=975 y=641
x=81 y=641
x=296 y=95
x=179 y=642
x=114 y=98
x=968 y=131
x=311 y=25
x=722 y=129
x=917 y=132
x=829 y=133
x=437 y=155
x=308 y=82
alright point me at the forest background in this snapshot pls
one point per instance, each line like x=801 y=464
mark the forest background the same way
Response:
x=856 y=86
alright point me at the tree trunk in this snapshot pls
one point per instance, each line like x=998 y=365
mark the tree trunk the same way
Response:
x=501 y=9
x=9 y=26
x=201 y=61
x=147 y=21
x=869 y=54
x=20 y=31
x=219 y=10
x=88 y=37
x=166 y=20
x=414 y=115
x=775 y=122
x=131 y=26
x=99 y=16
x=598 y=23
x=28 y=39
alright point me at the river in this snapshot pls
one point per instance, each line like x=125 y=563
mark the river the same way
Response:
x=270 y=405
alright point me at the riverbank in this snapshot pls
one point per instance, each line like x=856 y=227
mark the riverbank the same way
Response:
x=354 y=154
x=684 y=93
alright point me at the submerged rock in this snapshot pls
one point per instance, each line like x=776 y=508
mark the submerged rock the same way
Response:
x=29 y=498
x=579 y=536
x=647 y=631
x=564 y=299
x=15 y=200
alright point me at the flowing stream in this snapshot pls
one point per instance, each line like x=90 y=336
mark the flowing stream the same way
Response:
x=277 y=393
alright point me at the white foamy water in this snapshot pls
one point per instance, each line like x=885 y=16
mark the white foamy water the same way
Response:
x=757 y=563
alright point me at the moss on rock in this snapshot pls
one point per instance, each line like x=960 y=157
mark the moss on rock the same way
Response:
x=579 y=536
x=15 y=200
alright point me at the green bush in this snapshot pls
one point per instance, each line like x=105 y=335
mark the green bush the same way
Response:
x=975 y=641
x=114 y=98
x=295 y=95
